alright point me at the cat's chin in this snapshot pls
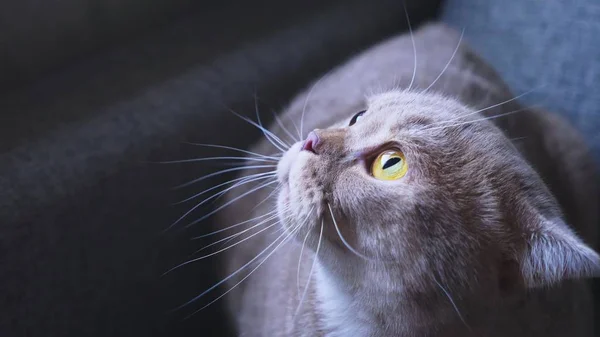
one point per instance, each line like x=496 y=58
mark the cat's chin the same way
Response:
x=296 y=223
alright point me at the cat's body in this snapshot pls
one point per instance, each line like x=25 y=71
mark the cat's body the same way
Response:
x=388 y=300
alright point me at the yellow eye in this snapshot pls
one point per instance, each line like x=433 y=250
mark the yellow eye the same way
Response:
x=389 y=165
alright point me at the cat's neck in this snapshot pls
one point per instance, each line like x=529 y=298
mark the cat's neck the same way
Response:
x=340 y=314
x=347 y=311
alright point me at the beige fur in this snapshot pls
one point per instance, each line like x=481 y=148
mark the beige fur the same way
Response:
x=471 y=242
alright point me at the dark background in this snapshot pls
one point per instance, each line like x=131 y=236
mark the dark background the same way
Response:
x=91 y=92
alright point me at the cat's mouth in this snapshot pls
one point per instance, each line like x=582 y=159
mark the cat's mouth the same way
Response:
x=304 y=205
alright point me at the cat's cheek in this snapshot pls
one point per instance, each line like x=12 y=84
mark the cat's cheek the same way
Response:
x=284 y=196
x=286 y=162
x=283 y=205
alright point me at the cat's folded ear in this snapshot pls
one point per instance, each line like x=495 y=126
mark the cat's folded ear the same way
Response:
x=554 y=253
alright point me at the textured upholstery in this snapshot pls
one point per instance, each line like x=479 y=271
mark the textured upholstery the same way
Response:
x=82 y=207
x=547 y=49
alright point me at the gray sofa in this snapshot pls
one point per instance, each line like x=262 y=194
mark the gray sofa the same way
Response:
x=92 y=93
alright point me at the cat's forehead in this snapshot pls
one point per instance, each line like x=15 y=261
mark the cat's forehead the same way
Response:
x=398 y=113
x=401 y=105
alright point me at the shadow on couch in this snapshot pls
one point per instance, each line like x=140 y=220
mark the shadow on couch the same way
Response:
x=82 y=209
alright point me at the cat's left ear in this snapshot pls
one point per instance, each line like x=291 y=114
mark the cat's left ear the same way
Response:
x=554 y=253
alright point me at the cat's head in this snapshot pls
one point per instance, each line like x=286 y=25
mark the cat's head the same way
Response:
x=422 y=190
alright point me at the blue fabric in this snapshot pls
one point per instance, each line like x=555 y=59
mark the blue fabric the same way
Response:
x=551 y=46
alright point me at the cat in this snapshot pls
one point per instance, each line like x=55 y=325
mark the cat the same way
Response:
x=422 y=200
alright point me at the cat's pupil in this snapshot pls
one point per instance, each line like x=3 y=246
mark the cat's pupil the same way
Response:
x=356 y=117
x=391 y=162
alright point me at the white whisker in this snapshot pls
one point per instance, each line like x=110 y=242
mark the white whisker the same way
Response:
x=230 y=202
x=310 y=273
x=337 y=229
x=212 y=197
x=226 y=248
x=305 y=221
x=300 y=261
x=452 y=302
x=277 y=229
x=286 y=145
x=449 y=61
x=271 y=137
x=234 y=226
x=296 y=128
x=287 y=132
x=197 y=180
x=282 y=241
x=234 y=149
x=192 y=160
x=516 y=139
x=484 y=109
x=476 y=120
x=305 y=104
x=267 y=198
x=412 y=38
x=235 y=235
x=237 y=182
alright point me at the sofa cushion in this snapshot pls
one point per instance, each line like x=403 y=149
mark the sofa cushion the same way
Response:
x=82 y=208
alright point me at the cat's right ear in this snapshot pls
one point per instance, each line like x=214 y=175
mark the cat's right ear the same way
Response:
x=553 y=253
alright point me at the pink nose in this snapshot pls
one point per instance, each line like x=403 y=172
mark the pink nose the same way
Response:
x=311 y=142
